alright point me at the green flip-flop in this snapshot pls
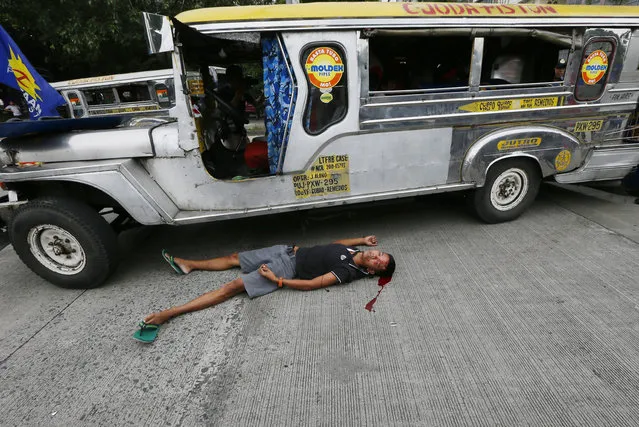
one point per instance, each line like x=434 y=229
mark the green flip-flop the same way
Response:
x=147 y=332
x=169 y=258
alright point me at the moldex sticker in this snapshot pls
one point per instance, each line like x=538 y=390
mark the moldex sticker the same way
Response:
x=324 y=67
x=595 y=67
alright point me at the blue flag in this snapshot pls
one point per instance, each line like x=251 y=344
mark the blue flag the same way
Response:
x=17 y=72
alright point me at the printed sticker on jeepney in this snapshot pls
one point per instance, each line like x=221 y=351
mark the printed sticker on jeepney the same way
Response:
x=511 y=144
x=328 y=175
x=588 y=126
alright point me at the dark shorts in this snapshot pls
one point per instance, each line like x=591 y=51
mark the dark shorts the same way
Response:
x=280 y=259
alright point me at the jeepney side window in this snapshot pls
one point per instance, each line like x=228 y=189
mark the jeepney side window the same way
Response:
x=134 y=93
x=418 y=64
x=326 y=77
x=519 y=60
x=100 y=96
x=594 y=69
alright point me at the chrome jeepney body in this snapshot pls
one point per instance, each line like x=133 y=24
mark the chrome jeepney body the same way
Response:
x=401 y=143
x=378 y=142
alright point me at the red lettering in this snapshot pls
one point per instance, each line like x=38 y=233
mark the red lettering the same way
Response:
x=459 y=11
x=409 y=9
x=506 y=10
x=428 y=10
x=440 y=6
x=548 y=9
x=523 y=9
x=534 y=9
x=471 y=9
x=488 y=8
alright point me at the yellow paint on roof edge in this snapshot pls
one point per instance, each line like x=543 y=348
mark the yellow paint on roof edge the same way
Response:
x=397 y=10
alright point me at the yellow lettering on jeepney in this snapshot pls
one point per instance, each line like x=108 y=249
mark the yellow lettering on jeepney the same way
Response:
x=512 y=144
x=510 y=104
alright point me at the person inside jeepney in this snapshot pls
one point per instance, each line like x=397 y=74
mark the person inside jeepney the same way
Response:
x=234 y=156
x=13 y=109
x=560 y=70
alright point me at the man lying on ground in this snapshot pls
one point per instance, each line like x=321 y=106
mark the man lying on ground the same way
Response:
x=265 y=270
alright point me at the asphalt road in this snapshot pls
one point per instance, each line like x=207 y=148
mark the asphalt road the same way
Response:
x=533 y=322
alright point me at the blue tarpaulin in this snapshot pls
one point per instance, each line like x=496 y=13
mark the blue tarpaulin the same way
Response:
x=32 y=127
x=17 y=72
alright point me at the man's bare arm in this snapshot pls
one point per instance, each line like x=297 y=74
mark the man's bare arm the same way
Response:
x=323 y=281
x=358 y=241
x=327 y=279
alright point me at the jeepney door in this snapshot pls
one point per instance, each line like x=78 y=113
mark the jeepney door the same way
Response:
x=326 y=104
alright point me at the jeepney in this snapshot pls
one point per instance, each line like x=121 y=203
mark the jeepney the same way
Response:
x=140 y=93
x=363 y=102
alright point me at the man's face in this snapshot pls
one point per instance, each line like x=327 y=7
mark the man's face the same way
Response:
x=559 y=73
x=375 y=261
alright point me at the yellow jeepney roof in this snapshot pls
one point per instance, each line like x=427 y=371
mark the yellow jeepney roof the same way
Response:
x=354 y=10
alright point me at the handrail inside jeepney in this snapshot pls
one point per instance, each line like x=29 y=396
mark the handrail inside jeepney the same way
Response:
x=520 y=85
x=418 y=91
x=573 y=41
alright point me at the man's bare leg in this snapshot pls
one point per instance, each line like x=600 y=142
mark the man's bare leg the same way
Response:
x=213 y=264
x=206 y=300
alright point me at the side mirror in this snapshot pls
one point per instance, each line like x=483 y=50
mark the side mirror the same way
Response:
x=159 y=35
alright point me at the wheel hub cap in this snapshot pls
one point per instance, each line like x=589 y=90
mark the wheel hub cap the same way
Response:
x=56 y=249
x=509 y=189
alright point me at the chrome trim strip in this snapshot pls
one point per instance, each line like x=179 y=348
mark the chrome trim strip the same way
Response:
x=631 y=89
x=468 y=99
x=12 y=173
x=457 y=115
x=192 y=217
x=405 y=23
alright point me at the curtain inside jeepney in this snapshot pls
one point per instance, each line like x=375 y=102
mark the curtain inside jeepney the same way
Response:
x=279 y=100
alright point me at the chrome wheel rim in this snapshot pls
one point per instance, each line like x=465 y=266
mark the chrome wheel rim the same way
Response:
x=509 y=189
x=56 y=249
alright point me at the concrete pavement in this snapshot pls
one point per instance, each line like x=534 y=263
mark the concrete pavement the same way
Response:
x=533 y=322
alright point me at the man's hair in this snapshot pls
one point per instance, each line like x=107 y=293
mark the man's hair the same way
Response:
x=390 y=268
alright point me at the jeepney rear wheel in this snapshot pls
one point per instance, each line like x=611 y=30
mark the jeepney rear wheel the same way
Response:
x=65 y=242
x=511 y=187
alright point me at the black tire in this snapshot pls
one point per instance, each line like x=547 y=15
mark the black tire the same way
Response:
x=76 y=235
x=509 y=173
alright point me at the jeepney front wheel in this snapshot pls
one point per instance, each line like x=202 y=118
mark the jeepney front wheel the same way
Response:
x=65 y=242
x=511 y=187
